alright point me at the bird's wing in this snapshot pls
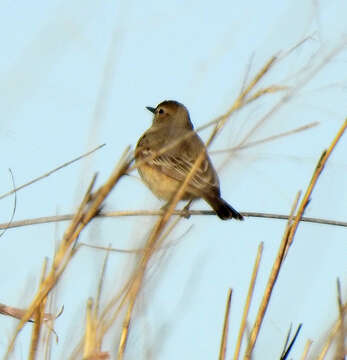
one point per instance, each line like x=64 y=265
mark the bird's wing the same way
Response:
x=178 y=166
x=177 y=162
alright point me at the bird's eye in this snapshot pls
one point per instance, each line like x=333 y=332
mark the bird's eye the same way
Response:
x=161 y=111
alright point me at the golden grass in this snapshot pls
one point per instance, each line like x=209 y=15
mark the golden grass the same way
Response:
x=224 y=339
x=248 y=301
x=99 y=321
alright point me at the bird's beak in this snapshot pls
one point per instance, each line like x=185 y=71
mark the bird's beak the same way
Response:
x=151 y=109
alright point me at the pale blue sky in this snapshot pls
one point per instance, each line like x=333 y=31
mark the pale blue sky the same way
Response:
x=77 y=74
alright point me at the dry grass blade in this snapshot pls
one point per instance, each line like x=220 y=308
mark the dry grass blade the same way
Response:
x=152 y=242
x=66 y=248
x=48 y=335
x=108 y=315
x=141 y=250
x=90 y=333
x=306 y=349
x=331 y=336
x=269 y=90
x=256 y=79
x=248 y=301
x=224 y=340
x=308 y=74
x=269 y=287
x=101 y=281
x=51 y=172
x=286 y=341
x=286 y=350
x=341 y=340
x=92 y=342
x=109 y=249
x=222 y=119
x=39 y=315
x=241 y=100
x=319 y=168
x=93 y=332
x=287 y=241
x=18 y=313
x=14 y=206
x=267 y=139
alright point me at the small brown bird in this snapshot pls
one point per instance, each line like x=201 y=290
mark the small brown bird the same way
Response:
x=164 y=173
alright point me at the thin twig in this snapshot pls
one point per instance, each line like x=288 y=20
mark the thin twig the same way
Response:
x=223 y=345
x=267 y=139
x=310 y=73
x=319 y=168
x=14 y=205
x=67 y=246
x=51 y=172
x=286 y=350
x=111 y=214
x=101 y=282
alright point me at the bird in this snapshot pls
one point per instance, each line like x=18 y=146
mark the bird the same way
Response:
x=165 y=154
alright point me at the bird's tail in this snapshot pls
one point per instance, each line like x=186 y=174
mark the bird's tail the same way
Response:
x=223 y=209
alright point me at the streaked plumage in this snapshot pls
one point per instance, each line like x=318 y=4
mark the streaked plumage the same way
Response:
x=163 y=172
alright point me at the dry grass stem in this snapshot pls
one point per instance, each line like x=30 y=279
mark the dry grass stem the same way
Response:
x=153 y=242
x=318 y=170
x=101 y=281
x=224 y=340
x=99 y=321
x=92 y=341
x=14 y=206
x=306 y=349
x=221 y=120
x=308 y=73
x=18 y=313
x=241 y=100
x=341 y=348
x=66 y=248
x=269 y=90
x=51 y=172
x=267 y=139
x=141 y=250
x=48 y=334
x=92 y=346
x=287 y=241
x=248 y=301
x=39 y=315
x=288 y=346
x=257 y=78
x=333 y=332
x=182 y=213
x=269 y=287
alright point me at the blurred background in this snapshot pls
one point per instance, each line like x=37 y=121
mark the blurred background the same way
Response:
x=74 y=75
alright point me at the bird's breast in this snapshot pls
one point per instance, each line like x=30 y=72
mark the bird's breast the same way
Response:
x=161 y=185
